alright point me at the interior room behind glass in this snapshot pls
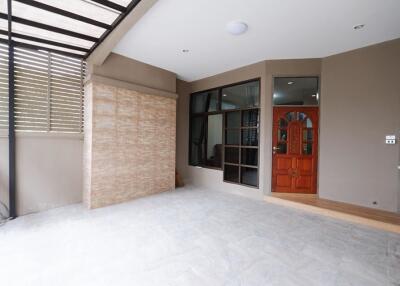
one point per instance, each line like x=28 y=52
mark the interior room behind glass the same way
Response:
x=296 y=91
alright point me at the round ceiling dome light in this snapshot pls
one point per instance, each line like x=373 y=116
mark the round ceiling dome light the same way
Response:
x=236 y=27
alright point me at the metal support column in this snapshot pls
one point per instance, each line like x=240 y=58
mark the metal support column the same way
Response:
x=11 y=123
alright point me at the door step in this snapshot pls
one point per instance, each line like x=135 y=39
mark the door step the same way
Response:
x=378 y=219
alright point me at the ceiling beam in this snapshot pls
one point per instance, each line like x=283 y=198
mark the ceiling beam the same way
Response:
x=65 y=13
x=44 y=41
x=111 y=5
x=35 y=47
x=98 y=56
x=116 y=22
x=49 y=28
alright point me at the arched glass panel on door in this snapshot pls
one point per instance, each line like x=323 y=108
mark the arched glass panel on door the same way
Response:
x=306 y=132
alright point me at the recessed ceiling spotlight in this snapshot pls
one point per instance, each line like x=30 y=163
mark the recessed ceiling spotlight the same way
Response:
x=236 y=27
x=224 y=94
x=185 y=51
x=290 y=82
x=359 y=27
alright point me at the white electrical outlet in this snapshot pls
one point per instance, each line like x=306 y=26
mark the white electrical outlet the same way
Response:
x=390 y=139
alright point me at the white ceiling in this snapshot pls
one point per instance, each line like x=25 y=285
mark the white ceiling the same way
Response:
x=278 y=29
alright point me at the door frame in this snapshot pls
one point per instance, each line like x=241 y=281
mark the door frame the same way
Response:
x=271 y=131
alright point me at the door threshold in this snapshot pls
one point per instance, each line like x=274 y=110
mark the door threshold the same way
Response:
x=374 y=218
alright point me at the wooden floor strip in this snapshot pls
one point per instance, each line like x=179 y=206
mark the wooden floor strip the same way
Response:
x=379 y=219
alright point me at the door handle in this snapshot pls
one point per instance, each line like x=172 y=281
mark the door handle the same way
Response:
x=274 y=149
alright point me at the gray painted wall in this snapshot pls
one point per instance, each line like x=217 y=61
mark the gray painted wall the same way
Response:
x=360 y=105
x=48 y=171
x=213 y=179
x=3 y=171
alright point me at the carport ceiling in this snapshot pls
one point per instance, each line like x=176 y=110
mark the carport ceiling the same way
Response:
x=74 y=27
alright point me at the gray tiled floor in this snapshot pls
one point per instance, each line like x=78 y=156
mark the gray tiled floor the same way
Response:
x=194 y=237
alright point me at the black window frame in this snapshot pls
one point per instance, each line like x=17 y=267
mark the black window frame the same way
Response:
x=224 y=128
x=205 y=115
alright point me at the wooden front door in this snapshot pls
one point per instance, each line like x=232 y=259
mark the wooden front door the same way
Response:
x=295 y=150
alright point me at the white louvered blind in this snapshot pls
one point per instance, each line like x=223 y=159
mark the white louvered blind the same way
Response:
x=48 y=92
x=3 y=86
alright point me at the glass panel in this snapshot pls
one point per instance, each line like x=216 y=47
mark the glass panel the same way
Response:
x=307 y=134
x=250 y=137
x=282 y=148
x=233 y=119
x=214 y=140
x=307 y=148
x=249 y=156
x=283 y=123
x=249 y=176
x=244 y=95
x=232 y=155
x=205 y=101
x=122 y=2
x=296 y=91
x=290 y=116
x=232 y=137
x=55 y=20
x=197 y=154
x=48 y=35
x=282 y=134
x=85 y=8
x=250 y=118
x=301 y=116
x=213 y=104
x=231 y=173
x=309 y=123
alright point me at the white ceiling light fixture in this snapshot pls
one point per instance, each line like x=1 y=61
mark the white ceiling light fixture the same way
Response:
x=290 y=82
x=236 y=27
x=359 y=27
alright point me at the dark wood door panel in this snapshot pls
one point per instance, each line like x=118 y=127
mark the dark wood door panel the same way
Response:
x=305 y=165
x=283 y=163
x=303 y=182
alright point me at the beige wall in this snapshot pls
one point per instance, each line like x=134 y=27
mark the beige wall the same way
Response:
x=128 y=70
x=48 y=171
x=360 y=105
x=4 y=170
x=213 y=179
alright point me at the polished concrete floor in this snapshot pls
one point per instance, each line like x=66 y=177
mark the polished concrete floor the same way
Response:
x=194 y=237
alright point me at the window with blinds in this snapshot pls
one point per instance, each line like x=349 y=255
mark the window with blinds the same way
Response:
x=48 y=91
